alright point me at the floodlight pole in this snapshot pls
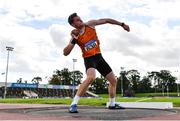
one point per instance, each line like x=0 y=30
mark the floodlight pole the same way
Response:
x=122 y=91
x=5 y=87
x=73 y=92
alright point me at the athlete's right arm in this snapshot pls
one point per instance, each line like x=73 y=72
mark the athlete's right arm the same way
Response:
x=67 y=50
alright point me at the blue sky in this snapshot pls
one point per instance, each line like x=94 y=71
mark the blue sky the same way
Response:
x=43 y=24
x=173 y=23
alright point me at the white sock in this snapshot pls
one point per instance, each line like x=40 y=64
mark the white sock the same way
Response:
x=112 y=101
x=75 y=100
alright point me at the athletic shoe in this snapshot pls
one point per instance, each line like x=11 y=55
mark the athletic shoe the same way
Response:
x=116 y=106
x=73 y=109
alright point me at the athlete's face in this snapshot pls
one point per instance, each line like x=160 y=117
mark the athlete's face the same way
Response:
x=77 y=22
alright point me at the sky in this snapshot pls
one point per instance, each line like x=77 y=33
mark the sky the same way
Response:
x=38 y=30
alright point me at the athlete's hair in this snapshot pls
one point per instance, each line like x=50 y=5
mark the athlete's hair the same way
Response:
x=70 y=18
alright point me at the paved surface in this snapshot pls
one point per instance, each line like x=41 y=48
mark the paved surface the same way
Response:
x=60 y=112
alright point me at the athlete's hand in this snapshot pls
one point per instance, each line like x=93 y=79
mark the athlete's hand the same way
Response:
x=126 y=27
x=75 y=33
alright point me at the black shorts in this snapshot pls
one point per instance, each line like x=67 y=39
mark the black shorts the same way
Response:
x=97 y=62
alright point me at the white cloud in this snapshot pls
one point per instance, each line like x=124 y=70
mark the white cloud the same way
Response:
x=151 y=44
x=59 y=34
x=166 y=9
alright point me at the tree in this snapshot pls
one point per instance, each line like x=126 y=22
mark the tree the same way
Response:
x=54 y=80
x=77 y=76
x=122 y=79
x=162 y=80
x=129 y=80
x=19 y=80
x=36 y=80
x=154 y=76
x=144 y=85
x=168 y=80
x=99 y=86
x=65 y=77
x=134 y=77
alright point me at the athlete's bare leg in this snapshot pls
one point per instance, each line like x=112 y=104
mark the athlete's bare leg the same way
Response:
x=91 y=75
x=112 y=91
x=112 y=85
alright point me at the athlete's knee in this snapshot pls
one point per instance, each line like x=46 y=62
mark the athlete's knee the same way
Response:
x=113 y=82
x=90 y=79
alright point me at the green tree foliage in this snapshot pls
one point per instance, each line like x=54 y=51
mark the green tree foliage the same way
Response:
x=99 y=86
x=65 y=77
x=133 y=77
x=124 y=81
x=144 y=85
x=36 y=80
x=162 y=80
x=19 y=80
x=77 y=76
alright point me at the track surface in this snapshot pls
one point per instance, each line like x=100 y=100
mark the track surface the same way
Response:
x=60 y=112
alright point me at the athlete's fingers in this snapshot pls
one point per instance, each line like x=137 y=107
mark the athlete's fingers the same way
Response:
x=126 y=27
x=74 y=36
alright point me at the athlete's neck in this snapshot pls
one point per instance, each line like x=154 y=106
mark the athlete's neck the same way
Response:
x=80 y=27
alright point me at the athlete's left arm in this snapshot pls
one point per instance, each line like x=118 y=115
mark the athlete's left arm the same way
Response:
x=110 y=21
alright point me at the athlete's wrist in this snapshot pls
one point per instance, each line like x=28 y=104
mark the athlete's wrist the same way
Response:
x=122 y=24
x=73 y=41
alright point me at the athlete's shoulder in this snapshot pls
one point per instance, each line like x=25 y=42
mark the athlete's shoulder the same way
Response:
x=91 y=24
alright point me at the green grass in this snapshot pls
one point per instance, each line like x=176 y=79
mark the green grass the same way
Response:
x=176 y=101
x=89 y=101
x=171 y=94
x=37 y=101
x=107 y=95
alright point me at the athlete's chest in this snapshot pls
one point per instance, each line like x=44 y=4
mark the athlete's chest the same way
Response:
x=87 y=35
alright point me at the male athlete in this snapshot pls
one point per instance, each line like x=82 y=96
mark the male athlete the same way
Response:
x=85 y=36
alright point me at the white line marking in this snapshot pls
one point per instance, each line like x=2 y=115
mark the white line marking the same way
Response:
x=143 y=99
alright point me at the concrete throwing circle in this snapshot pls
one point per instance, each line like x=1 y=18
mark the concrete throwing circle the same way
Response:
x=98 y=113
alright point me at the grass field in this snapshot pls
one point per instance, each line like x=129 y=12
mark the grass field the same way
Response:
x=171 y=94
x=90 y=101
